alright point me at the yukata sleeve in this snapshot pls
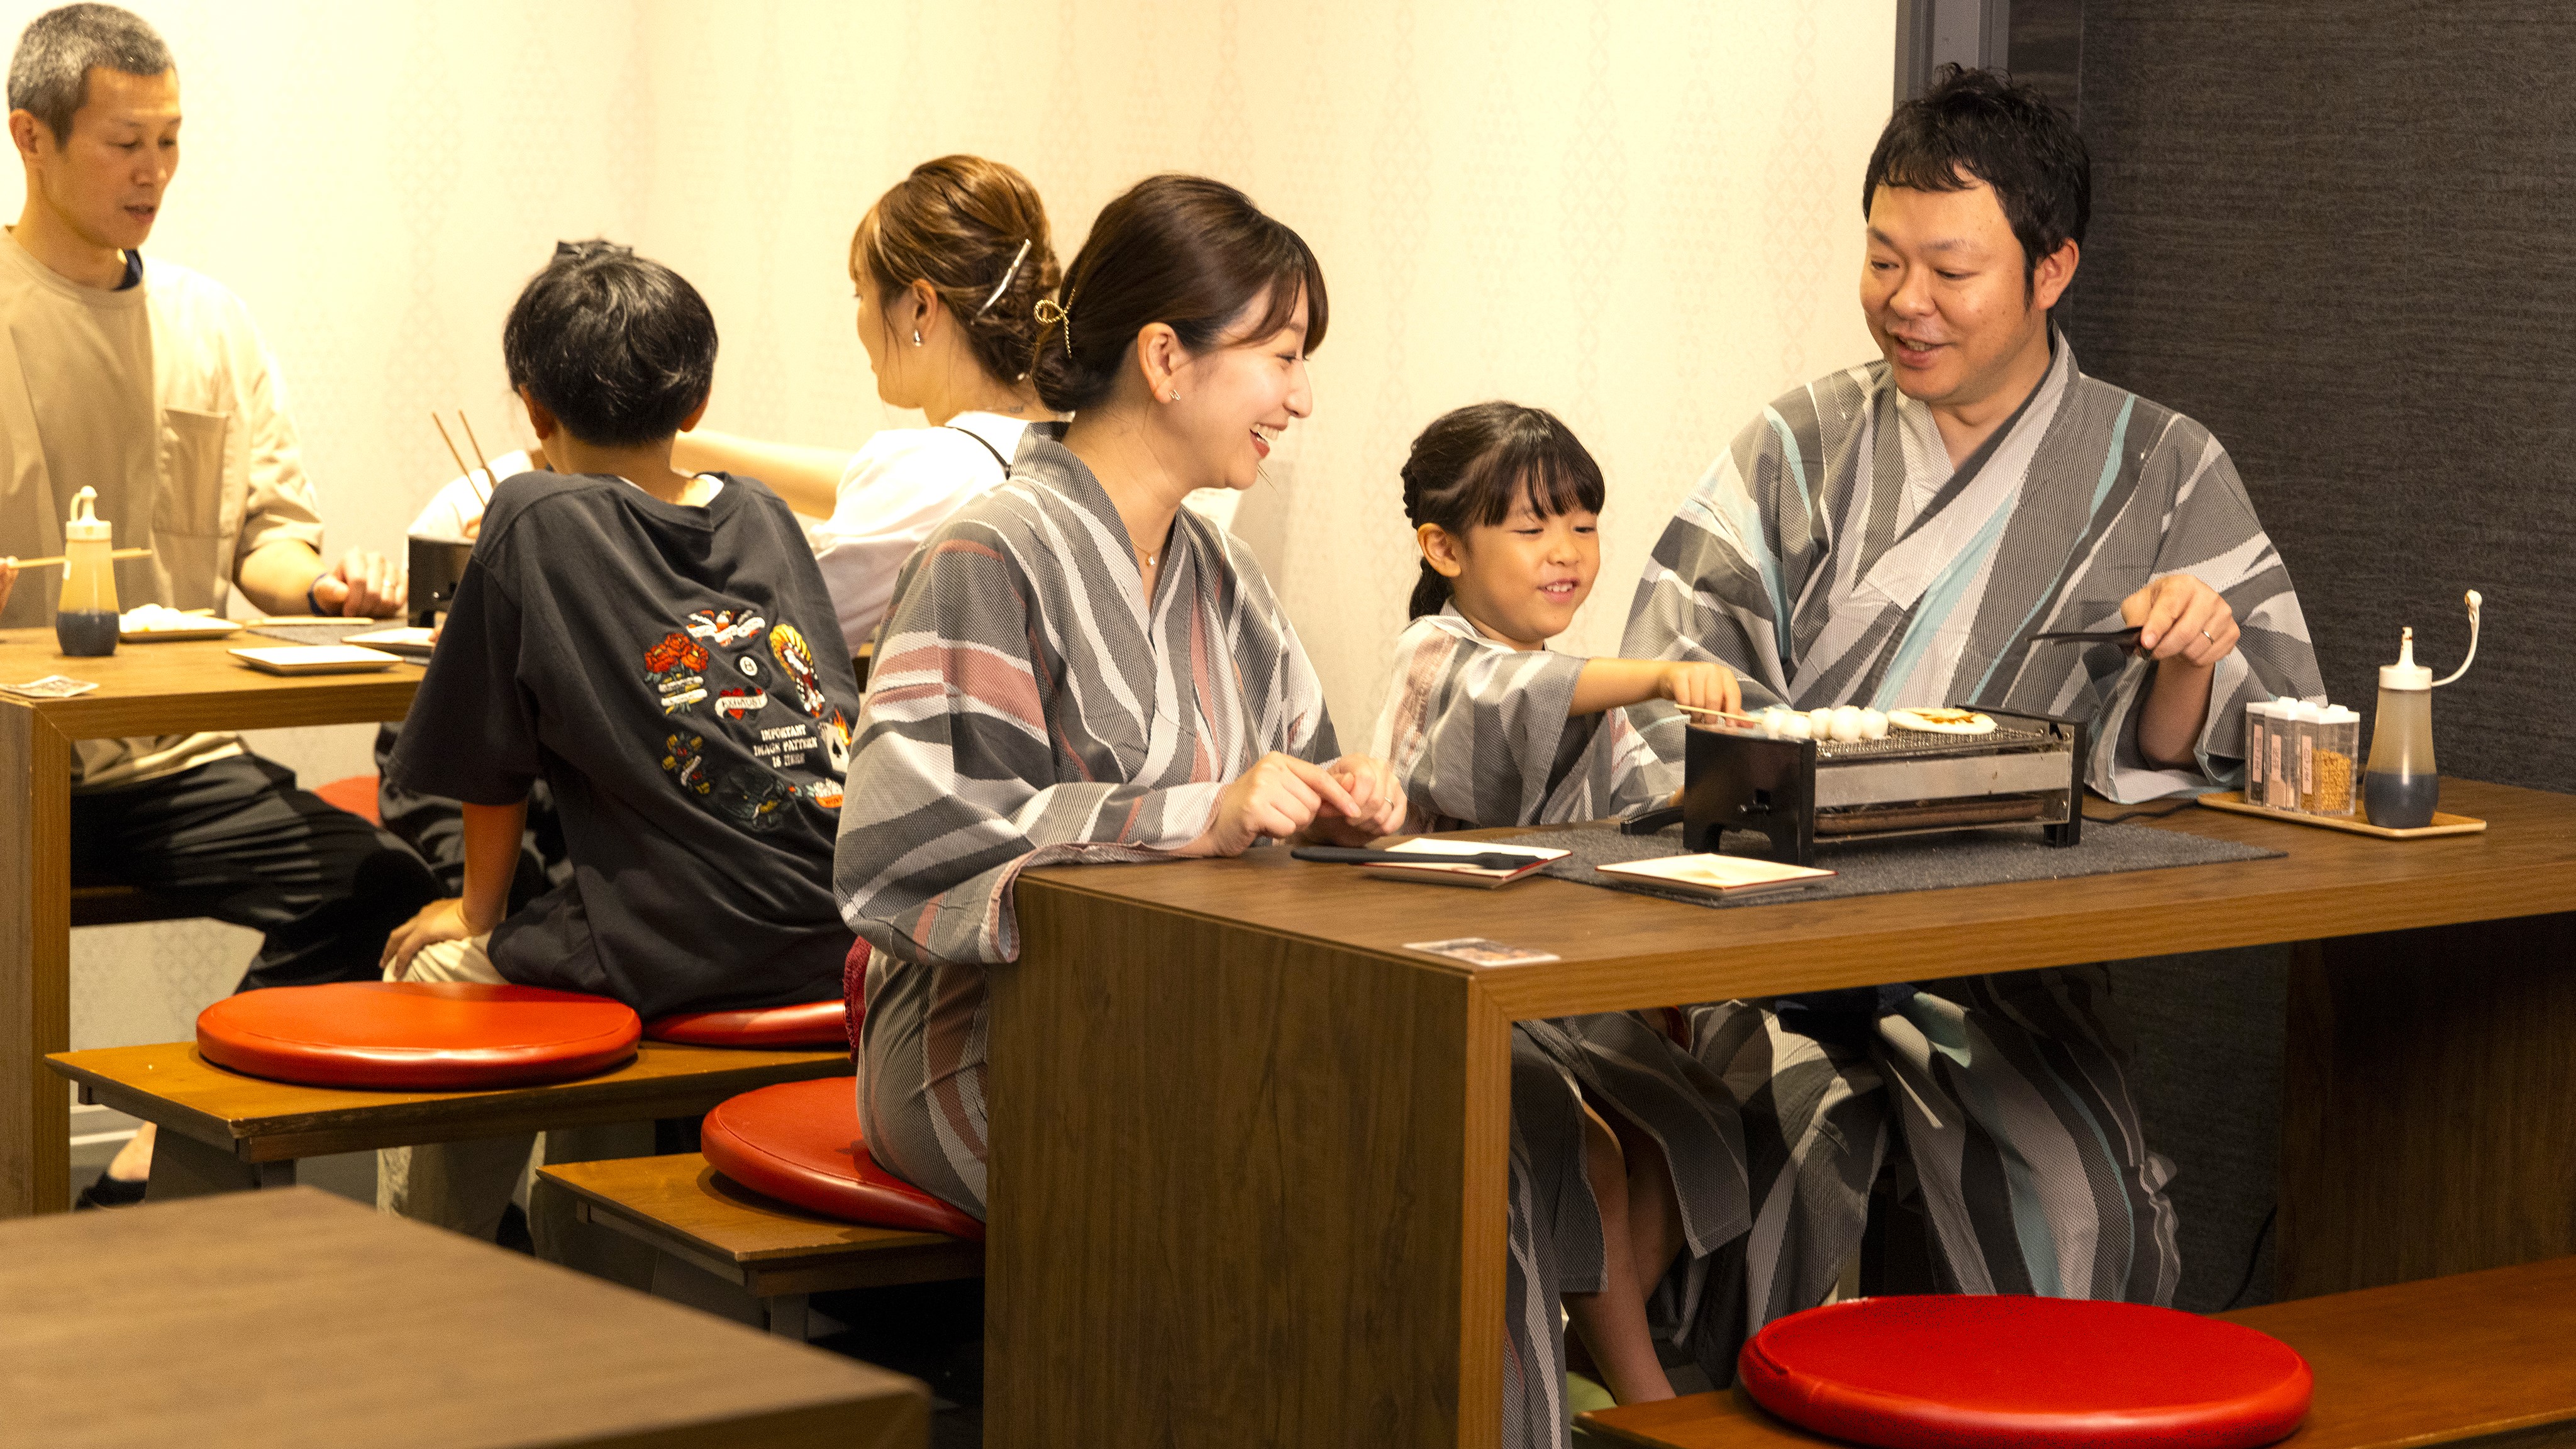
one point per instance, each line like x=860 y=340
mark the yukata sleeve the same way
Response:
x=1474 y=731
x=1724 y=579
x=955 y=789
x=278 y=506
x=2214 y=535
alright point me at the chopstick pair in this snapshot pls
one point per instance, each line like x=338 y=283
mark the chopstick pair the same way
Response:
x=484 y=487
x=37 y=563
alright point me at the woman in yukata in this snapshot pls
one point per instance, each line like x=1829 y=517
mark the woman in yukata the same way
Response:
x=947 y=268
x=1077 y=668
x=1486 y=726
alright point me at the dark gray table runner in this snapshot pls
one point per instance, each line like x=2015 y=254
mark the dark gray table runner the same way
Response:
x=1908 y=863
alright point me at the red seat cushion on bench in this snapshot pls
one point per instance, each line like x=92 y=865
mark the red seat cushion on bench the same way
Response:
x=1940 y=1370
x=806 y=1024
x=417 y=1035
x=799 y=1142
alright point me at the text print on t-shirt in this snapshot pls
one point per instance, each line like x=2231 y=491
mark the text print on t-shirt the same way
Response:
x=754 y=792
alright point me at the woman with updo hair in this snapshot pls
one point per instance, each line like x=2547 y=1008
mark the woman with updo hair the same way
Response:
x=948 y=267
x=1077 y=669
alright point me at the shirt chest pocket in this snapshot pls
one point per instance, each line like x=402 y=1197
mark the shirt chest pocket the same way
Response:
x=192 y=473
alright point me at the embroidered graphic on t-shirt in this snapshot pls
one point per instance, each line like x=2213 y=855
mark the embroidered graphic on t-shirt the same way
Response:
x=735 y=703
x=676 y=668
x=836 y=744
x=826 y=793
x=724 y=626
x=753 y=798
x=686 y=758
x=788 y=647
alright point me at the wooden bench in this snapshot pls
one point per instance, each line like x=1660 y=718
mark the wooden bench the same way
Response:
x=2476 y=1358
x=775 y=1253
x=225 y=1132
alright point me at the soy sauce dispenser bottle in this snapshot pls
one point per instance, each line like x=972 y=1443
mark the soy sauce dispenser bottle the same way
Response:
x=2400 y=786
x=85 y=616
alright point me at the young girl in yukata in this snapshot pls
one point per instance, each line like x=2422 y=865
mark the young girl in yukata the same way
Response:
x=1486 y=727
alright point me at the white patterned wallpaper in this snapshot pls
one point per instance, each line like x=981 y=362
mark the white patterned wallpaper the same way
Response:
x=1644 y=216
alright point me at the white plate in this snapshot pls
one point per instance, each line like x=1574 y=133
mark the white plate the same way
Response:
x=317 y=659
x=215 y=629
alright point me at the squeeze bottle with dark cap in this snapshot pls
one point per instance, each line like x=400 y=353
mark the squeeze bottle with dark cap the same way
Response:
x=2400 y=787
x=85 y=615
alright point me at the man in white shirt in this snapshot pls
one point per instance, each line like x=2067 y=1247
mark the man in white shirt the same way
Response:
x=154 y=388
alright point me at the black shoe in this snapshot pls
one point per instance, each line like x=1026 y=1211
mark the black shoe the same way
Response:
x=108 y=1192
x=513 y=1233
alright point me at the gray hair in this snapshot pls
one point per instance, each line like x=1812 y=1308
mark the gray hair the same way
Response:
x=49 y=76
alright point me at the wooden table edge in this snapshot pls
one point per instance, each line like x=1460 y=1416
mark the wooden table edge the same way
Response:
x=290 y=1136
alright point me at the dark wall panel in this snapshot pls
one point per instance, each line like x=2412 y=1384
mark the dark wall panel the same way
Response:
x=2344 y=237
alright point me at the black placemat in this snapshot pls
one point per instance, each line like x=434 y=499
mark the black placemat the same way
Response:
x=1908 y=863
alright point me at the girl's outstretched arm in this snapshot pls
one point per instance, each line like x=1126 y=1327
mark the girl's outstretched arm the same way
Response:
x=1616 y=683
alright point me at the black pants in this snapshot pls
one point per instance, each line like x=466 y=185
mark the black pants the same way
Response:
x=236 y=841
x=434 y=826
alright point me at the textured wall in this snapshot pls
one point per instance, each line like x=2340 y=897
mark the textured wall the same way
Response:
x=1645 y=220
x=2343 y=242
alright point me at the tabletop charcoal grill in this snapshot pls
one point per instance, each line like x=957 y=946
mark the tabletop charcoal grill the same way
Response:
x=1795 y=793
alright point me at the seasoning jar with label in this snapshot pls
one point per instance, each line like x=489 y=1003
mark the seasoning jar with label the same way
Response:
x=2258 y=728
x=2333 y=752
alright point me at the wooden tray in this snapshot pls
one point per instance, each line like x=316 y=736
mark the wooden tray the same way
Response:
x=2234 y=802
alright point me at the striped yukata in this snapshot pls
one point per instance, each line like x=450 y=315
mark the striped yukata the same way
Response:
x=1027 y=709
x=1834 y=555
x=1478 y=732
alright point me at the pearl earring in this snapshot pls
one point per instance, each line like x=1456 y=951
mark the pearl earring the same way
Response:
x=916 y=337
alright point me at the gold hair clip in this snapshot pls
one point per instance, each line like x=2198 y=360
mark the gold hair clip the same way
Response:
x=1051 y=312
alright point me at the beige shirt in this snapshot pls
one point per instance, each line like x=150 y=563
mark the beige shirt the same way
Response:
x=162 y=397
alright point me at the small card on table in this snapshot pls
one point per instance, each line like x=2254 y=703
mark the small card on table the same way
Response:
x=52 y=686
x=1478 y=951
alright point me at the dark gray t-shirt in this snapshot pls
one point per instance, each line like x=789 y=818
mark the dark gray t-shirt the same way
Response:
x=658 y=666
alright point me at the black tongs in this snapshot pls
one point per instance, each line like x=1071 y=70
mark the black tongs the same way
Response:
x=2127 y=638
x=1353 y=855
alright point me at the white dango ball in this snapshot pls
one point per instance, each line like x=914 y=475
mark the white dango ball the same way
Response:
x=1846 y=724
x=1820 y=723
x=1793 y=725
x=1873 y=725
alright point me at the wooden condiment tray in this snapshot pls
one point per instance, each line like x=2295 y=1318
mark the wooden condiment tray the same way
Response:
x=2234 y=801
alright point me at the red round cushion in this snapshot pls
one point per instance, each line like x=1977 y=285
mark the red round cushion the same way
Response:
x=806 y=1024
x=799 y=1142
x=1946 y=1370
x=417 y=1035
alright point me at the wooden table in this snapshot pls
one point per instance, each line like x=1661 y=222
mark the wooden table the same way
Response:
x=299 y=1319
x=144 y=689
x=226 y=1132
x=1248 y=1152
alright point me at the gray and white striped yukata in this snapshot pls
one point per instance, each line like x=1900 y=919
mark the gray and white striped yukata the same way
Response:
x=1029 y=709
x=1478 y=732
x=1833 y=555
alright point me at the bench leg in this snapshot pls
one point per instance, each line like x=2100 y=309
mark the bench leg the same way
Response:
x=186 y=1167
x=787 y=1315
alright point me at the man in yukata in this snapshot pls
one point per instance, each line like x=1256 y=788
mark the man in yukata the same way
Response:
x=1892 y=535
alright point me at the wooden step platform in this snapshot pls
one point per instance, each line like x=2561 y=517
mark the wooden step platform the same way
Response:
x=2476 y=1358
x=225 y=1132
x=774 y=1252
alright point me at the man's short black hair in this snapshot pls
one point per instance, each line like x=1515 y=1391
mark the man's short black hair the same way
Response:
x=1980 y=124
x=620 y=348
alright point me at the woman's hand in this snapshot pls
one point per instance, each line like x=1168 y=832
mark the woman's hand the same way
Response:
x=1278 y=797
x=1700 y=685
x=438 y=921
x=1375 y=792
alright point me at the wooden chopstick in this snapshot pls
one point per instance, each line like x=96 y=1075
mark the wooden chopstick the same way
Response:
x=1720 y=713
x=450 y=442
x=37 y=563
x=479 y=460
